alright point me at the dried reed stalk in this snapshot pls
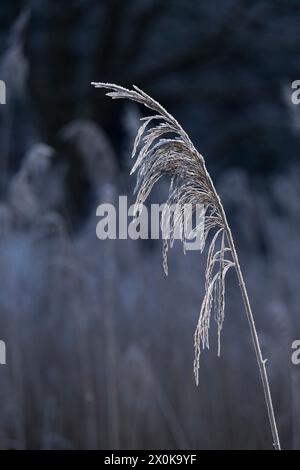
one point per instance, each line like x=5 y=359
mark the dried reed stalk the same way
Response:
x=160 y=155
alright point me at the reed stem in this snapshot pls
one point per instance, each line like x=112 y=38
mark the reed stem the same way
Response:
x=260 y=361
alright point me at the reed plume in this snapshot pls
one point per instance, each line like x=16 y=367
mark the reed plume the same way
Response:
x=163 y=148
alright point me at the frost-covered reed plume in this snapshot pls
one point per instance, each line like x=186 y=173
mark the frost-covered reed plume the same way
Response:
x=164 y=149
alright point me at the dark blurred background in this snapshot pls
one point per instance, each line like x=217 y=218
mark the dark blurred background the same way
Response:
x=99 y=343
